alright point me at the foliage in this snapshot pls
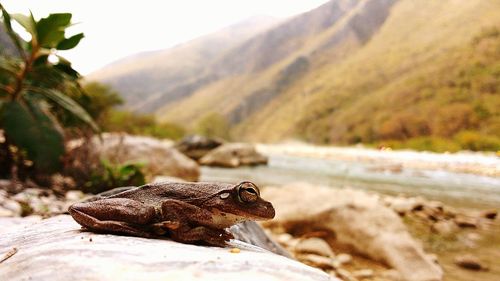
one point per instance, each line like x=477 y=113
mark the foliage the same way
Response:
x=32 y=86
x=213 y=125
x=450 y=104
x=111 y=176
x=140 y=124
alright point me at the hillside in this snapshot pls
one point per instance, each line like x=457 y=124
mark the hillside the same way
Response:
x=405 y=73
x=152 y=79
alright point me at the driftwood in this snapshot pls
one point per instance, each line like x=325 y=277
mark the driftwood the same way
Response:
x=57 y=249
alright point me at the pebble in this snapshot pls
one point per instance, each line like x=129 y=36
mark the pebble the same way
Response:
x=465 y=221
x=363 y=273
x=317 y=261
x=343 y=258
x=489 y=214
x=470 y=262
x=314 y=245
x=445 y=227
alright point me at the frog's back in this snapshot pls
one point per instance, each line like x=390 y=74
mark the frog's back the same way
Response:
x=152 y=193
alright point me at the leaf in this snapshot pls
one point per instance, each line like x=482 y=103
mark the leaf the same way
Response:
x=28 y=22
x=68 y=104
x=12 y=34
x=70 y=43
x=50 y=30
x=29 y=128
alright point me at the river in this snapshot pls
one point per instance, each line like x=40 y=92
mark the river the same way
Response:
x=451 y=187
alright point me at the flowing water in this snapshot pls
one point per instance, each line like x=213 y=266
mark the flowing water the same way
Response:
x=456 y=189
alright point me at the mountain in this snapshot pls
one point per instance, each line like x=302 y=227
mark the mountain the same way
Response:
x=152 y=79
x=358 y=71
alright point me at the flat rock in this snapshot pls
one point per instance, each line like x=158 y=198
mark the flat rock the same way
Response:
x=56 y=249
x=314 y=245
x=470 y=262
x=359 y=220
x=158 y=157
x=232 y=155
x=196 y=146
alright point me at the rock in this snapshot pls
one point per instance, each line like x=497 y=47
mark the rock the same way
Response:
x=402 y=205
x=489 y=214
x=469 y=262
x=78 y=255
x=158 y=157
x=233 y=155
x=362 y=273
x=196 y=146
x=465 y=221
x=11 y=206
x=343 y=259
x=317 y=261
x=445 y=227
x=392 y=275
x=314 y=246
x=284 y=238
x=359 y=220
x=74 y=195
x=345 y=275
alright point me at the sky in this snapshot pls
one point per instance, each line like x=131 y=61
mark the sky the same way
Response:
x=118 y=28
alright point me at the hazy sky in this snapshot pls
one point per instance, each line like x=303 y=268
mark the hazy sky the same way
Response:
x=117 y=28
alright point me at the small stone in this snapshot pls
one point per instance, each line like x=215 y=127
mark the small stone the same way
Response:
x=317 y=261
x=392 y=275
x=446 y=227
x=489 y=214
x=465 y=221
x=74 y=195
x=343 y=258
x=469 y=262
x=235 y=251
x=13 y=206
x=345 y=275
x=314 y=246
x=284 y=238
x=363 y=273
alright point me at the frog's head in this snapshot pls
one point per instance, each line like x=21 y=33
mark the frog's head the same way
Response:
x=239 y=203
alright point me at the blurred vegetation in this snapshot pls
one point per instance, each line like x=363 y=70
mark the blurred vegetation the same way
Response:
x=451 y=104
x=34 y=93
x=112 y=176
x=213 y=125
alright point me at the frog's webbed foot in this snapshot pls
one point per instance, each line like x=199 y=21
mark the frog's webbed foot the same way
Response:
x=211 y=236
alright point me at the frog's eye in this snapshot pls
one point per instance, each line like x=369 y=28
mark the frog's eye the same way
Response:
x=248 y=192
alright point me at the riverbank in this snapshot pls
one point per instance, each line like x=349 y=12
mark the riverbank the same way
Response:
x=477 y=163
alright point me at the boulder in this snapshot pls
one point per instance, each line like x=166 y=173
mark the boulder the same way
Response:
x=357 y=219
x=196 y=146
x=233 y=155
x=56 y=249
x=158 y=157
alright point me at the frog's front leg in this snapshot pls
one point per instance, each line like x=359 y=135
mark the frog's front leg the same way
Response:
x=117 y=215
x=195 y=224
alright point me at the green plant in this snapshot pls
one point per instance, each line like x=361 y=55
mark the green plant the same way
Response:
x=34 y=84
x=111 y=176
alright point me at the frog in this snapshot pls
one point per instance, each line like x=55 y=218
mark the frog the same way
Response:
x=186 y=212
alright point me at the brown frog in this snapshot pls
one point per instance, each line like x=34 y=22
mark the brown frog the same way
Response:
x=186 y=212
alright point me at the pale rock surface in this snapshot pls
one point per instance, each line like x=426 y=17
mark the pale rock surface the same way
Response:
x=359 y=220
x=314 y=245
x=233 y=155
x=56 y=249
x=159 y=157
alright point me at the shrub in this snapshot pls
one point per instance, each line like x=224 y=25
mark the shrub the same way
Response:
x=477 y=142
x=111 y=176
